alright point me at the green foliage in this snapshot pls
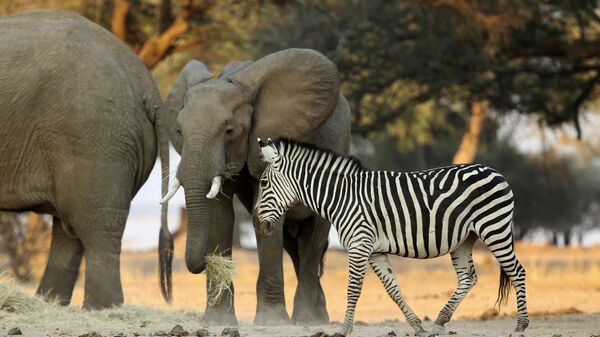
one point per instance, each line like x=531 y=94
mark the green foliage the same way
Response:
x=526 y=56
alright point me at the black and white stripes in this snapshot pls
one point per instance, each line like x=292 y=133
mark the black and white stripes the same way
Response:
x=417 y=214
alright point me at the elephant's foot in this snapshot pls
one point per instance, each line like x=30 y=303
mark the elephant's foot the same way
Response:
x=52 y=294
x=273 y=315
x=214 y=316
x=310 y=315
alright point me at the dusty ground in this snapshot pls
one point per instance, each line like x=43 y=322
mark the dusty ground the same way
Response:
x=579 y=325
x=563 y=296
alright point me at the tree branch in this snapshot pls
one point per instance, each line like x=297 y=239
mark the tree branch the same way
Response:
x=159 y=47
x=579 y=50
x=583 y=95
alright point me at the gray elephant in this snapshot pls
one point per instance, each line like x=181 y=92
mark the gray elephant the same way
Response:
x=79 y=123
x=215 y=122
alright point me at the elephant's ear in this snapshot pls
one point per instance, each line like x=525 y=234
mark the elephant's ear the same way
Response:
x=193 y=73
x=293 y=91
x=232 y=68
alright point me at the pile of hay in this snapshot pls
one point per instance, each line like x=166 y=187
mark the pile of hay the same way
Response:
x=20 y=309
x=13 y=300
x=219 y=275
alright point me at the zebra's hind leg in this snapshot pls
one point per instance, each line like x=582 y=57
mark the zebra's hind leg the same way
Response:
x=382 y=268
x=462 y=260
x=500 y=242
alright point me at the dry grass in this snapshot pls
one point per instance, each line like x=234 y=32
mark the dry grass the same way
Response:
x=21 y=309
x=219 y=273
x=558 y=281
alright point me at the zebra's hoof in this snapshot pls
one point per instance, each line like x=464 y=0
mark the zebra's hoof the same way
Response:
x=437 y=330
x=429 y=334
x=522 y=324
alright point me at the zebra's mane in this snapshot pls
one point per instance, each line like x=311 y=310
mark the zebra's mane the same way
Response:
x=287 y=145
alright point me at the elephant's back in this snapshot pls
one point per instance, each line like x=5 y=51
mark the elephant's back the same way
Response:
x=75 y=91
x=60 y=53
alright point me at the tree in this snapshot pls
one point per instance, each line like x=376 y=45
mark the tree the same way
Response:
x=168 y=30
x=22 y=239
x=457 y=56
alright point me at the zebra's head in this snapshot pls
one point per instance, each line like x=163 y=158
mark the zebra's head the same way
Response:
x=275 y=193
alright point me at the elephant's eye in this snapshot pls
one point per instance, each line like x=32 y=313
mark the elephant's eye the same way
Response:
x=229 y=130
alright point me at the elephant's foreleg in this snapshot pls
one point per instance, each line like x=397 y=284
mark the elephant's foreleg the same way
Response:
x=62 y=267
x=309 y=300
x=102 y=244
x=270 y=306
x=220 y=239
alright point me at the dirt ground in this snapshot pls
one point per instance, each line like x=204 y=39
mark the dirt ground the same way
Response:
x=563 y=288
x=576 y=325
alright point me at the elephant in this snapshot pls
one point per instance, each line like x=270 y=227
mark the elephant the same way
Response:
x=213 y=122
x=80 y=133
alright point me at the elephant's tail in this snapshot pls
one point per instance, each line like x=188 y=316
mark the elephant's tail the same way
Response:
x=165 y=239
x=322 y=263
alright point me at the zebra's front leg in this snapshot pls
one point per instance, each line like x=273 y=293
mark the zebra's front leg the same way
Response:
x=382 y=268
x=462 y=260
x=357 y=264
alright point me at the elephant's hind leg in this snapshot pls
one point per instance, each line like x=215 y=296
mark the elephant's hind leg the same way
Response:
x=102 y=244
x=62 y=267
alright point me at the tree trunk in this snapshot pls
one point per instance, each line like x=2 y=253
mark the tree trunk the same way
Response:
x=118 y=21
x=567 y=237
x=467 y=151
x=22 y=241
x=164 y=16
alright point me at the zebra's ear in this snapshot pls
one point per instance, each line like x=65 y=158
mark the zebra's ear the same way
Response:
x=268 y=151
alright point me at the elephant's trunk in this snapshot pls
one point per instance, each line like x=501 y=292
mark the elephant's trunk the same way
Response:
x=198 y=208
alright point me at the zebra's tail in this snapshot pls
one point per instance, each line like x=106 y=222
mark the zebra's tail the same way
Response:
x=503 y=289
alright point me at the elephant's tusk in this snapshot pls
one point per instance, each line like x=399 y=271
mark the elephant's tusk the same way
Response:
x=172 y=190
x=214 y=188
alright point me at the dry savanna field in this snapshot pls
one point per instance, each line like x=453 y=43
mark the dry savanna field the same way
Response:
x=563 y=296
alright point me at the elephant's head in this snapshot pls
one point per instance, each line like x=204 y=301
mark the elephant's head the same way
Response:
x=211 y=120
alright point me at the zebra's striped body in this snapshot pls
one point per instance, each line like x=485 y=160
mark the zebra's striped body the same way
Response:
x=417 y=214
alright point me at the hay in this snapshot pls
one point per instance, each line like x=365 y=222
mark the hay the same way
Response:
x=13 y=300
x=219 y=274
x=18 y=308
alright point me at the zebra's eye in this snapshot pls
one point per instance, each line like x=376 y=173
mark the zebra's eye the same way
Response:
x=263 y=183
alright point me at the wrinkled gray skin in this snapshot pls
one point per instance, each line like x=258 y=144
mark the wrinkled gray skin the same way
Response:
x=292 y=93
x=78 y=134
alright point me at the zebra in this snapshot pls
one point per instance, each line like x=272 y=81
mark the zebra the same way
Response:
x=421 y=214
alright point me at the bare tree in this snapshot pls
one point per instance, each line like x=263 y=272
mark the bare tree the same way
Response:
x=169 y=32
x=23 y=237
